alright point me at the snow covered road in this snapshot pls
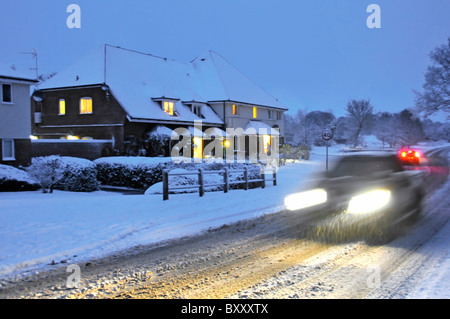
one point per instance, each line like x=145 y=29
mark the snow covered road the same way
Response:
x=255 y=254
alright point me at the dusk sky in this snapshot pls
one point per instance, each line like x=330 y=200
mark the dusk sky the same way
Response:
x=310 y=54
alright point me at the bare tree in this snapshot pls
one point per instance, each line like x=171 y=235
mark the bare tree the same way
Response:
x=360 y=111
x=436 y=89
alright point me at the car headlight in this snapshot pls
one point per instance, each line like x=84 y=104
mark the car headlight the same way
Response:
x=369 y=202
x=305 y=199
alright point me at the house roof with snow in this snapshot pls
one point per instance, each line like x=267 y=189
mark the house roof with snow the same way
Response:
x=138 y=81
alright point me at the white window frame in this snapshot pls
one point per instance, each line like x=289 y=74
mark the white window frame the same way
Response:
x=13 y=158
x=12 y=92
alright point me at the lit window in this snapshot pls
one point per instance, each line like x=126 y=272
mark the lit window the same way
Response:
x=168 y=107
x=8 y=150
x=255 y=112
x=62 y=107
x=7 y=93
x=198 y=147
x=266 y=143
x=86 y=105
x=234 y=109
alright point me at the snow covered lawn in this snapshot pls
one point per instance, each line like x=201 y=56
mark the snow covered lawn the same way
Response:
x=37 y=229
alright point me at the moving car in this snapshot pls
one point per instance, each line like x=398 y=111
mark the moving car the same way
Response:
x=409 y=156
x=361 y=196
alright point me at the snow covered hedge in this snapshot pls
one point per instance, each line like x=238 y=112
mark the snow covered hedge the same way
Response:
x=64 y=173
x=143 y=172
x=14 y=179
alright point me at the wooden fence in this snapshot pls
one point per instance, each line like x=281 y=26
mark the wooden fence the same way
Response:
x=226 y=180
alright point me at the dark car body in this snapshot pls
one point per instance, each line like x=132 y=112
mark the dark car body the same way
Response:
x=370 y=193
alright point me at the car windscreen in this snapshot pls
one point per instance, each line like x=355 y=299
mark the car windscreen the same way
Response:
x=364 y=165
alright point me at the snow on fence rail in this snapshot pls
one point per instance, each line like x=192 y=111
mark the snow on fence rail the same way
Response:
x=226 y=181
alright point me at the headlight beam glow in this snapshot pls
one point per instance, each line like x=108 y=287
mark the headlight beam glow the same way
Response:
x=305 y=199
x=369 y=202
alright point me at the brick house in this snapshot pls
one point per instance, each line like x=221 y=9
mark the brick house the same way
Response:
x=117 y=95
x=15 y=116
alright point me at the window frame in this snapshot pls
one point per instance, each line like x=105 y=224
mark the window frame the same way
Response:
x=279 y=115
x=10 y=92
x=92 y=105
x=13 y=153
x=197 y=109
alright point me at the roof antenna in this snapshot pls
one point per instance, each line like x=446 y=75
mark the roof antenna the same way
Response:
x=34 y=55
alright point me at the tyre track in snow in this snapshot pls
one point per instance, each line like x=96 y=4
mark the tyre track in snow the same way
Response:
x=267 y=257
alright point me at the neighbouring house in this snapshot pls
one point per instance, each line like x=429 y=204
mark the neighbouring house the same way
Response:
x=15 y=115
x=119 y=99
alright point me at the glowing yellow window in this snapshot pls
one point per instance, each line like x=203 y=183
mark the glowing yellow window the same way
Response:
x=266 y=143
x=62 y=107
x=255 y=112
x=198 y=147
x=86 y=105
x=234 y=109
x=168 y=107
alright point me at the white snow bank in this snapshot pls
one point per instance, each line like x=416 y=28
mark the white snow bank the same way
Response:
x=11 y=173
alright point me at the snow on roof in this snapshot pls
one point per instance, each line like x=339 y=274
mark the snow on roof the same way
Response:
x=260 y=128
x=88 y=70
x=161 y=130
x=136 y=79
x=223 y=81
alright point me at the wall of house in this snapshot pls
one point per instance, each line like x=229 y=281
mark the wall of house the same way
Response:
x=15 y=117
x=22 y=153
x=105 y=123
x=15 y=123
x=245 y=113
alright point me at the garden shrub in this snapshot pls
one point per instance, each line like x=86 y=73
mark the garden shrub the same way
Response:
x=64 y=173
x=14 y=179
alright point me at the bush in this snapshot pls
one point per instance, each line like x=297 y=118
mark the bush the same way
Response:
x=64 y=173
x=13 y=179
x=80 y=175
